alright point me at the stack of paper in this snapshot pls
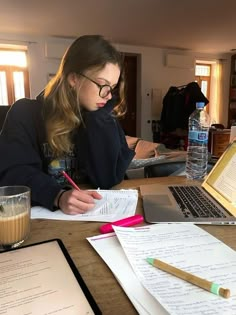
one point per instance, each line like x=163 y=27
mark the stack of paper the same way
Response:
x=109 y=248
x=115 y=205
x=187 y=247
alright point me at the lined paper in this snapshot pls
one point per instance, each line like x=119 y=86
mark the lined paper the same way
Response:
x=115 y=205
x=189 y=248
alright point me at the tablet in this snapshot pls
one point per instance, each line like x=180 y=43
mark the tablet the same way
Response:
x=41 y=279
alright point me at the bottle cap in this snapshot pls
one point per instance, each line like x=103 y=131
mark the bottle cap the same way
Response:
x=200 y=105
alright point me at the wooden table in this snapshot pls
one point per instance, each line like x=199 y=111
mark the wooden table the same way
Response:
x=105 y=289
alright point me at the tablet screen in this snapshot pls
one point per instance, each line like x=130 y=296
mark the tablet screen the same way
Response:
x=41 y=279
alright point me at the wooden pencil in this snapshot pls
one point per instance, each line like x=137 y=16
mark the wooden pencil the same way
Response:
x=200 y=282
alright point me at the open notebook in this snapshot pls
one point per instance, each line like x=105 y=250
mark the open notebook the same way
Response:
x=213 y=202
x=114 y=205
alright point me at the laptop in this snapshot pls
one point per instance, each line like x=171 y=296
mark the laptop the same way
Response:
x=210 y=202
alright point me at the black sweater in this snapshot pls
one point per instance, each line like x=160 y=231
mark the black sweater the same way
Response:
x=101 y=152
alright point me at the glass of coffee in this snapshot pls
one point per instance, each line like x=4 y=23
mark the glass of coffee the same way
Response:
x=14 y=216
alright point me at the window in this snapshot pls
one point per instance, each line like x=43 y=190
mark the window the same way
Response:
x=14 y=77
x=203 y=78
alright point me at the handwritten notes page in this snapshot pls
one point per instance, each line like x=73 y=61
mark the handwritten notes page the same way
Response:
x=115 y=205
x=109 y=248
x=189 y=248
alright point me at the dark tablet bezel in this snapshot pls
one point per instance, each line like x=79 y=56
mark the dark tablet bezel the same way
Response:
x=74 y=269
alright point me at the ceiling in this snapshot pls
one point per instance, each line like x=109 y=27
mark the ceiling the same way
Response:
x=203 y=25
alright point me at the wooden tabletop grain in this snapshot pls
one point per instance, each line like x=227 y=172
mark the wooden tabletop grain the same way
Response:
x=102 y=284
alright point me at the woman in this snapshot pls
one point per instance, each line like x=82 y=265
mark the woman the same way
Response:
x=70 y=126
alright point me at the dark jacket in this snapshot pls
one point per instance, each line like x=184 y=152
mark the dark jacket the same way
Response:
x=178 y=104
x=101 y=155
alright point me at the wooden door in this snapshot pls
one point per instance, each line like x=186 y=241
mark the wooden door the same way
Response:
x=128 y=122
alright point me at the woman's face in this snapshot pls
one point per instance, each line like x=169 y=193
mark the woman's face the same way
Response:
x=89 y=97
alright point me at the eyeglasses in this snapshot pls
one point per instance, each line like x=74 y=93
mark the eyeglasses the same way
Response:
x=104 y=89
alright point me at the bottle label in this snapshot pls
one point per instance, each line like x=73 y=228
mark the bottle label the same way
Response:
x=198 y=136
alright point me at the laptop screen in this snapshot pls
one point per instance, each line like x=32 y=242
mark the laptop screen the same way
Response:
x=221 y=182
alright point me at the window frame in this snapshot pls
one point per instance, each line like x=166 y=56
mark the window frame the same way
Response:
x=200 y=78
x=9 y=70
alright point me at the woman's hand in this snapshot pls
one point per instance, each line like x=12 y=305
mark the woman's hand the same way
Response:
x=74 y=201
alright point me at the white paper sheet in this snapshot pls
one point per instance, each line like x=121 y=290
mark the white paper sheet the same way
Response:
x=115 y=205
x=226 y=183
x=189 y=248
x=109 y=248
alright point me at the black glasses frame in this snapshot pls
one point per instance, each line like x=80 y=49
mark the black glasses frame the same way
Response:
x=100 y=86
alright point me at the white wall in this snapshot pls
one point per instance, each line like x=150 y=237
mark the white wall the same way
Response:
x=40 y=66
x=154 y=73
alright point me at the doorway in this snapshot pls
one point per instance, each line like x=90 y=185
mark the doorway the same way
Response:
x=129 y=121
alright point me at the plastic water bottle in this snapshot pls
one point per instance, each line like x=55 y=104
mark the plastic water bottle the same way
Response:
x=197 y=151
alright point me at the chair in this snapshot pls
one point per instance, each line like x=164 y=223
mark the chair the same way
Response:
x=3 y=112
x=218 y=126
x=168 y=168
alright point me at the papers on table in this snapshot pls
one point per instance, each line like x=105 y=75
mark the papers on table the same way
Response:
x=185 y=246
x=115 y=205
x=109 y=248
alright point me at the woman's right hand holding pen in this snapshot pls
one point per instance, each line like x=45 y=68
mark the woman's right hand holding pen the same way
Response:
x=76 y=201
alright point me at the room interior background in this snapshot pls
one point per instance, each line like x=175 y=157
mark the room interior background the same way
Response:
x=154 y=74
x=157 y=68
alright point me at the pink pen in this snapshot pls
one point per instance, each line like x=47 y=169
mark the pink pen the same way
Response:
x=135 y=219
x=70 y=180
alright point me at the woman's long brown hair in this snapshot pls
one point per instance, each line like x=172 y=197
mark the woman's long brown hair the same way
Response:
x=61 y=102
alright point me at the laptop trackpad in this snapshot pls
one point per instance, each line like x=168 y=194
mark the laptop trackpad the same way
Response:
x=162 y=200
x=160 y=208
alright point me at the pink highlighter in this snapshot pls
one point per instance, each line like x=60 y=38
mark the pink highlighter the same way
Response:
x=129 y=221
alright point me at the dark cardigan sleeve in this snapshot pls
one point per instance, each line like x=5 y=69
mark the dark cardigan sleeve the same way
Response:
x=20 y=161
x=102 y=150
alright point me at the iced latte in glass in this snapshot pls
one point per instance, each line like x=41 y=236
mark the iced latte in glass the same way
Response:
x=14 y=216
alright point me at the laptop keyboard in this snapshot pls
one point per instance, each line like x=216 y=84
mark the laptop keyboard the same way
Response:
x=193 y=202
